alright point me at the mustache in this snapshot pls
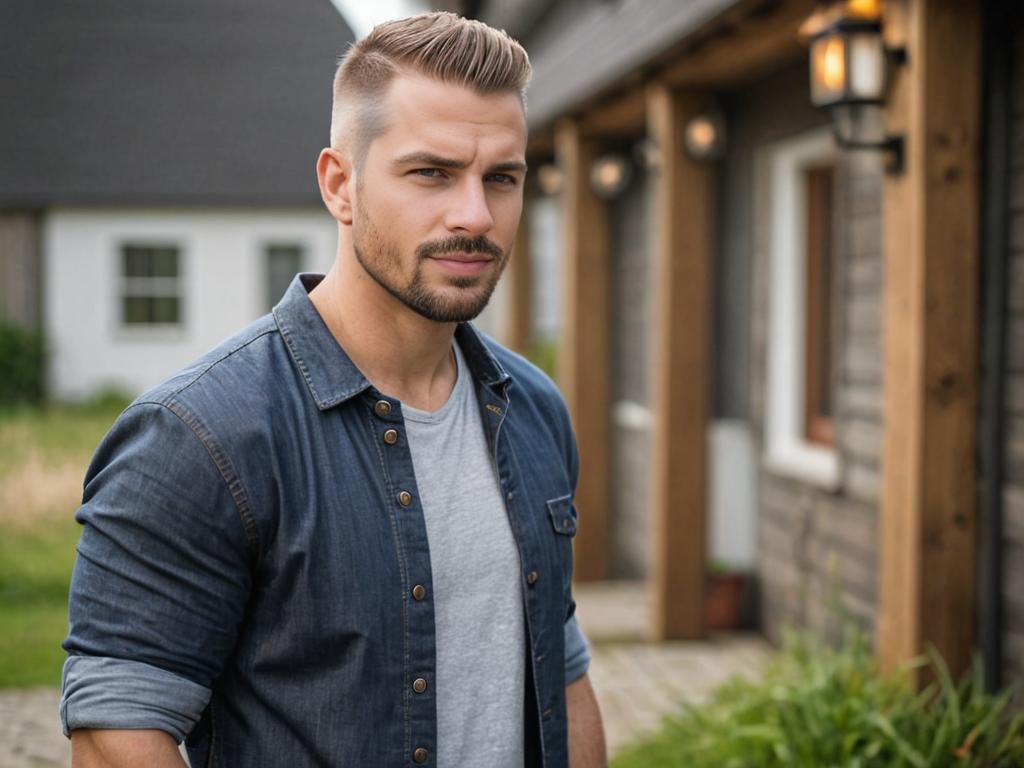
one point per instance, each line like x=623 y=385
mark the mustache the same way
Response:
x=459 y=244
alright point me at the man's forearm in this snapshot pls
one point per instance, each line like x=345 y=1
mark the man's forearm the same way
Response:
x=92 y=748
x=586 y=731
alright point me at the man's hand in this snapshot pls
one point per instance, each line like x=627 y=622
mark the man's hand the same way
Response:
x=586 y=731
x=92 y=748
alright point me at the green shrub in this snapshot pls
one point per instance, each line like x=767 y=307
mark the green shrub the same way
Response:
x=817 y=706
x=22 y=365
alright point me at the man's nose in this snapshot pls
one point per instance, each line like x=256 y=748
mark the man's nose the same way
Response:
x=470 y=212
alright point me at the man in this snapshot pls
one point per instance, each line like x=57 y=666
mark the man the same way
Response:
x=344 y=536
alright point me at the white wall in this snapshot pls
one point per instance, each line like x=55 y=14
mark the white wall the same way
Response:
x=223 y=273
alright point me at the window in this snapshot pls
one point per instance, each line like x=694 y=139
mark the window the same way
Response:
x=819 y=258
x=283 y=262
x=150 y=285
x=797 y=221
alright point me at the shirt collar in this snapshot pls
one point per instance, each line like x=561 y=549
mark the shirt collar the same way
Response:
x=329 y=372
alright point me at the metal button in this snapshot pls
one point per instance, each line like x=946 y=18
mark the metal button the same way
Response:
x=420 y=755
x=419 y=685
x=404 y=498
x=419 y=592
x=391 y=436
x=382 y=408
x=531 y=577
x=508 y=496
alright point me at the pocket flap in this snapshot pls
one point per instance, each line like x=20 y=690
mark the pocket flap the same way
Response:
x=563 y=515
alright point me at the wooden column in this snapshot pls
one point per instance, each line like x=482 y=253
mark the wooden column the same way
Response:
x=520 y=285
x=683 y=232
x=583 y=351
x=929 y=504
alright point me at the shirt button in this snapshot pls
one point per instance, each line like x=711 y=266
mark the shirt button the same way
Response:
x=531 y=577
x=382 y=408
x=391 y=436
x=508 y=496
x=405 y=498
x=419 y=592
x=420 y=755
x=419 y=685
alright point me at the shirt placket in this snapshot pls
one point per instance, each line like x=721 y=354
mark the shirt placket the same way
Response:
x=419 y=665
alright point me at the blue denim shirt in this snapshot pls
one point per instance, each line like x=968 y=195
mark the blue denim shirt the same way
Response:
x=251 y=546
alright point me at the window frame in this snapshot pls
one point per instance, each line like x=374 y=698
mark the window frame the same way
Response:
x=788 y=450
x=149 y=287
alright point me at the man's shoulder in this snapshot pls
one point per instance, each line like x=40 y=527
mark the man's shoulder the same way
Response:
x=235 y=369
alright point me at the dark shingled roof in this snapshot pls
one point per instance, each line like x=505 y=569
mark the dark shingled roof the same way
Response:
x=165 y=102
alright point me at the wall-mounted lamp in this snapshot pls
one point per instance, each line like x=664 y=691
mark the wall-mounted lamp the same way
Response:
x=704 y=136
x=849 y=67
x=550 y=179
x=610 y=175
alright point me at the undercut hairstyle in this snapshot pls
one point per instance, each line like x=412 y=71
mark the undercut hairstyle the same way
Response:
x=439 y=45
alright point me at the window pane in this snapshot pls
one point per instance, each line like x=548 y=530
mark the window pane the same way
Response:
x=165 y=262
x=137 y=262
x=820 y=331
x=136 y=310
x=283 y=263
x=164 y=310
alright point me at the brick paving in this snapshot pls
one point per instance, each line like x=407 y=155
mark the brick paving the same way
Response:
x=637 y=682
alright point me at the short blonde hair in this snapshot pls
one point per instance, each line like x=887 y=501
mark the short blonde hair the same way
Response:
x=439 y=45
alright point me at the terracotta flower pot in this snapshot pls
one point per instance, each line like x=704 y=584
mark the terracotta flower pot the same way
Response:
x=723 y=601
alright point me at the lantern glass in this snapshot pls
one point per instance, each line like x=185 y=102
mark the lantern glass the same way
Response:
x=829 y=71
x=866 y=66
x=610 y=175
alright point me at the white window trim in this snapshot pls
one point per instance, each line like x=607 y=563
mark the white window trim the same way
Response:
x=787 y=452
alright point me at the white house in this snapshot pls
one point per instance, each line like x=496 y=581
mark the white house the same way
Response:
x=157 y=182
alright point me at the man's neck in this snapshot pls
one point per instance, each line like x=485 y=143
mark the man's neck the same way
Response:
x=401 y=353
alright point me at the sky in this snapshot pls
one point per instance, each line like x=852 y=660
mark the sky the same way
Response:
x=361 y=15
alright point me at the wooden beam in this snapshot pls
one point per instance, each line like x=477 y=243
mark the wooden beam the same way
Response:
x=620 y=117
x=583 y=357
x=927 y=585
x=744 y=51
x=518 y=329
x=683 y=252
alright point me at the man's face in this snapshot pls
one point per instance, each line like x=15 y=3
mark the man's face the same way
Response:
x=438 y=199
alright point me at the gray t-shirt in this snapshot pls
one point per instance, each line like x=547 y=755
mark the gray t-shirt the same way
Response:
x=478 y=603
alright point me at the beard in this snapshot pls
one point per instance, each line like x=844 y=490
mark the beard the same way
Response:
x=460 y=298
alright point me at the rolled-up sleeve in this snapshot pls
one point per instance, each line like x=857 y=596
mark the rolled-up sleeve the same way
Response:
x=161 y=578
x=577 y=652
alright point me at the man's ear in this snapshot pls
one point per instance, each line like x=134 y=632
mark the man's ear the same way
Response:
x=334 y=172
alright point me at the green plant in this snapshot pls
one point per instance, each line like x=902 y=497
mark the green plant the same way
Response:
x=22 y=365
x=544 y=354
x=818 y=706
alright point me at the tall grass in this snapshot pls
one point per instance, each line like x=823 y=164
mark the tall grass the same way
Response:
x=44 y=453
x=818 y=706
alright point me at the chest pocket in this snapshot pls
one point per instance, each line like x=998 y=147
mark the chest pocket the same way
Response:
x=563 y=515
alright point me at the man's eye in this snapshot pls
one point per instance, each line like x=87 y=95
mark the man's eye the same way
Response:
x=503 y=178
x=429 y=173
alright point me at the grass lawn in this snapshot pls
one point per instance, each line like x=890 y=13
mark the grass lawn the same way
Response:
x=44 y=453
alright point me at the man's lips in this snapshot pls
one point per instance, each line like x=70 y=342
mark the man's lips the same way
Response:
x=463 y=263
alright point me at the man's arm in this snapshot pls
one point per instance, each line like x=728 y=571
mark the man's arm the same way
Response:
x=91 y=748
x=586 y=731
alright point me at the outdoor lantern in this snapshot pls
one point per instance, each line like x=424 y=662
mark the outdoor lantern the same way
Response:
x=550 y=179
x=849 y=63
x=704 y=136
x=610 y=175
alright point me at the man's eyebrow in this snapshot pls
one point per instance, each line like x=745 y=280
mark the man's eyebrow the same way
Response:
x=437 y=161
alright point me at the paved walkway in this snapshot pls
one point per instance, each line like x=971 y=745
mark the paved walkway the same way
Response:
x=637 y=682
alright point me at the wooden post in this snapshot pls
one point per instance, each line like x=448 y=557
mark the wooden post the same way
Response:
x=929 y=502
x=520 y=274
x=683 y=243
x=583 y=352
